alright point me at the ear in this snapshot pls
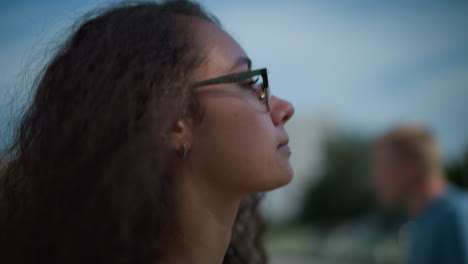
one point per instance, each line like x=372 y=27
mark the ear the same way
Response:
x=181 y=133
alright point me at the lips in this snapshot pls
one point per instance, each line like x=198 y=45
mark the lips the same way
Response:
x=283 y=144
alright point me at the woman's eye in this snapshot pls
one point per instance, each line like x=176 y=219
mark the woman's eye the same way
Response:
x=250 y=83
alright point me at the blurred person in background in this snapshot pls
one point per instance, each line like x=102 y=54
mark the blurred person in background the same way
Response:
x=147 y=140
x=408 y=173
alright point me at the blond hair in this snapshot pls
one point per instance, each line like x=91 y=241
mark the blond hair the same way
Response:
x=413 y=142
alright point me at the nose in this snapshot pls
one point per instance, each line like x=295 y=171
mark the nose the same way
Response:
x=281 y=111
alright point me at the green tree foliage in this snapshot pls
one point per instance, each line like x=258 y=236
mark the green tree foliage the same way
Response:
x=457 y=172
x=342 y=191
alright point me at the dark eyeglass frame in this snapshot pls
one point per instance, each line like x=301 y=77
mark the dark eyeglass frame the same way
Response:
x=241 y=76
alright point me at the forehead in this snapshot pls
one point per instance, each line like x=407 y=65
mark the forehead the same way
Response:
x=222 y=50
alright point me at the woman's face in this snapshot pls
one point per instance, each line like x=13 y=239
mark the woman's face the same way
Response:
x=239 y=146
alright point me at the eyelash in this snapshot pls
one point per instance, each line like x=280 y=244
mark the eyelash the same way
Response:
x=249 y=84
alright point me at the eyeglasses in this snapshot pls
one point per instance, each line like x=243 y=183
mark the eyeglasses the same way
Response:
x=259 y=80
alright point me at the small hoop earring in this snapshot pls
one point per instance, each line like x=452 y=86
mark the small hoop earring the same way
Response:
x=183 y=151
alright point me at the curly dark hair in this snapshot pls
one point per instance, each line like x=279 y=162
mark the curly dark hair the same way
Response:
x=87 y=178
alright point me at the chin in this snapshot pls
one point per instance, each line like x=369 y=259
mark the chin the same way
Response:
x=286 y=178
x=278 y=179
x=285 y=174
x=268 y=179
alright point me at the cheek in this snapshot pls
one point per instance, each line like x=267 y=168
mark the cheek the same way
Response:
x=236 y=150
x=384 y=180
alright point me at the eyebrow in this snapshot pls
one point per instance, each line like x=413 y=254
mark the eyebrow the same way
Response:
x=241 y=61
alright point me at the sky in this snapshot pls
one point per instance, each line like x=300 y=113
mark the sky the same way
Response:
x=367 y=65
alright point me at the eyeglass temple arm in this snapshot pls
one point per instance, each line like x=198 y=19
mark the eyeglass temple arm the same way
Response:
x=233 y=78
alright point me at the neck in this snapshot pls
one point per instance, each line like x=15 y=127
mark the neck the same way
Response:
x=430 y=190
x=204 y=220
